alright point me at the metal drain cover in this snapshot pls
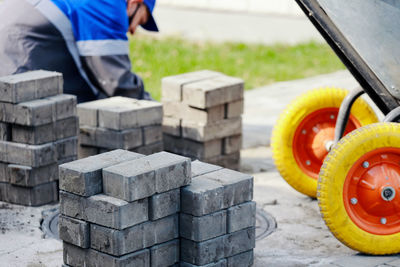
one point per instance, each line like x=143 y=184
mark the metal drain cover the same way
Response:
x=49 y=224
x=265 y=224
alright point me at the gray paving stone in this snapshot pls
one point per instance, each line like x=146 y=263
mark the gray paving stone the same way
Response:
x=182 y=111
x=213 y=92
x=5 y=131
x=200 y=168
x=202 y=253
x=67 y=127
x=115 y=213
x=66 y=148
x=232 y=144
x=234 y=109
x=73 y=231
x=111 y=139
x=65 y=105
x=4 y=176
x=28 y=155
x=121 y=242
x=229 y=161
x=240 y=241
x=241 y=216
x=166 y=254
x=30 y=85
x=238 y=187
x=66 y=160
x=193 y=149
x=32 y=196
x=76 y=256
x=146 y=176
x=220 y=263
x=31 y=113
x=204 y=227
x=88 y=113
x=172 y=85
x=33 y=135
x=245 y=259
x=172 y=126
x=120 y=113
x=203 y=196
x=27 y=176
x=87 y=151
x=152 y=134
x=149 y=149
x=84 y=176
x=203 y=133
x=164 y=204
x=72 y=205
x=3 y=191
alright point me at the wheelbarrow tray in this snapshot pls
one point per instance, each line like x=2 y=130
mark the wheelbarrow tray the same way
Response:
x=365 y=34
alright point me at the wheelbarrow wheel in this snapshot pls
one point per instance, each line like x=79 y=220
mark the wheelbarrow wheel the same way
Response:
x=359 y=189
x=303 y=131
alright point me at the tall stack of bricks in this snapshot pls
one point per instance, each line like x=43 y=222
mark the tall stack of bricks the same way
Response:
x=38 y=131
x=202 y=117
x=120 y=123
x=217 y=220
x=121 y=208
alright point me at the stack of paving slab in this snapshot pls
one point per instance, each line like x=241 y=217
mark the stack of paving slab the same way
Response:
x=38 y=131
x=202 y=117
x=120 y=208
x=120 y=123
x=217 y=220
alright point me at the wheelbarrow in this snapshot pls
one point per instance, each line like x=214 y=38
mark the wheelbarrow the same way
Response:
x=329 y=144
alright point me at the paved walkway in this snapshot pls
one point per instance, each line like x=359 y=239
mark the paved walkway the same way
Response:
x=197 y=24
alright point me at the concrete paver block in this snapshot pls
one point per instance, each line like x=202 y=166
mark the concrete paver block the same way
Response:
x=203 y=196
x=245 y=259
x=213 y=92
x=32 y=196
x=33 y=135
x=164 y=204
x=31 y=113
x=200 y=168
x=88 y=113
x=220 y=263
x=84 y=176
x=146 y=176
x=4 y=175
x=232 y=144
x=149 y=149
x=229 y=161
x=172 y=85
x=66 y=148
x=65 y=105
x=152 y=134
x=203 y=228
x=203 y=133
x=115 y=213
x=27 y=176
x=67 y=127
x=234 y=109
x=172 y=126
x=182 y=111
x=193 y=149
x=166 y=254
x=202 y=253
x=241 y=216
x=72 y=205
x=74 y=231
x=87 y=151
x=30 y=85
x=5 y=131
x=28 y=155
x=240 y=241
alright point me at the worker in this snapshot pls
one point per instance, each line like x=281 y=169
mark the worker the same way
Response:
x=85 y=40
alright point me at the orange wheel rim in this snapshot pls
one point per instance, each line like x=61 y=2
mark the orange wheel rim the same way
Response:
x=371 y=192
x=312 y=136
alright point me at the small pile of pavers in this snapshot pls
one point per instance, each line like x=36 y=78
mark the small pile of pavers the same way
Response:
x=121 y=208
x=38 y=131
x=120 y=123
x=202 y=117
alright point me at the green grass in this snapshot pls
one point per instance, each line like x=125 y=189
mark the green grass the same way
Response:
x=258 y=65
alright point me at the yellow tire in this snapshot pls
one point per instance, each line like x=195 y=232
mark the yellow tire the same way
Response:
x=302 y=131
x=359 y=189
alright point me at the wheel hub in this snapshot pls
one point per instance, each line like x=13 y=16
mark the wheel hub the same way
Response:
x=370 y=191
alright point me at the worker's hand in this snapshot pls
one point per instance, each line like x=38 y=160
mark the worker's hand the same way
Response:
x=141 y=16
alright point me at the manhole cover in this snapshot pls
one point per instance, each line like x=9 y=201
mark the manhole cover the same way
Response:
x=265 y=224
x=50 y=223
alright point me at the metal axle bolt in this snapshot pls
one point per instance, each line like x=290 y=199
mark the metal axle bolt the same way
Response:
x=365 y=164
x=383 y=220
x=308 y=163
x=353 y=200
